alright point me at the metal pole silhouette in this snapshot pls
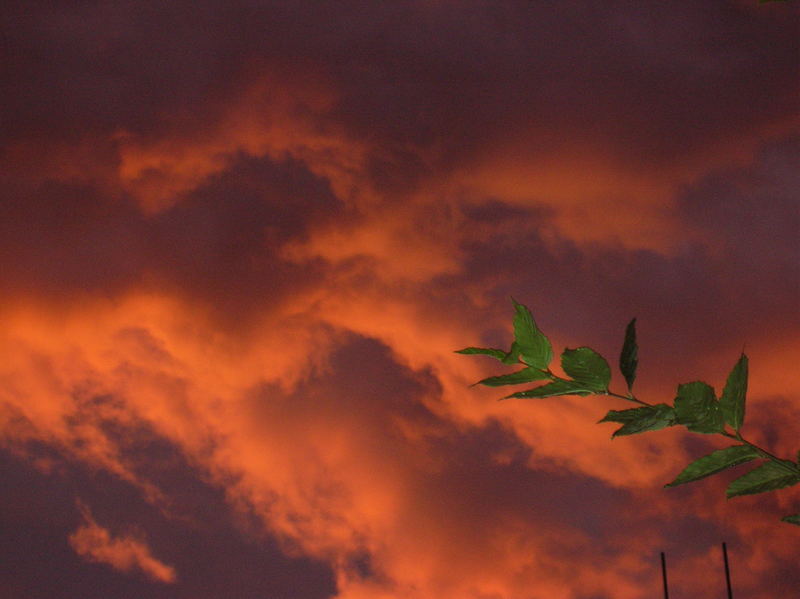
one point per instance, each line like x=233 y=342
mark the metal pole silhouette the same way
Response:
x=727 y=570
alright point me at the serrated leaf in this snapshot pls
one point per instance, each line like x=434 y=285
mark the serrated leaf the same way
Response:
x=733 y=396
x=559 y=387
x=587 y=367
x=534 y=348
x=767 y=477
x=715 y=462
x=794 y=519
x=629 y=357
x=526 y=375
x=640 y=420
x=486 y=351
x=697 y=407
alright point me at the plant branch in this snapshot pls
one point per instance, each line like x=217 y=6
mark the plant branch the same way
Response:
x=696 y=404
x=736 y=436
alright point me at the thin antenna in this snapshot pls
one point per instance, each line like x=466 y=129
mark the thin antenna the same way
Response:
x=664 y=574
x=727 y=570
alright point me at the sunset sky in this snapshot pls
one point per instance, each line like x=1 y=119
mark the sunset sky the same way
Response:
x=240 y=242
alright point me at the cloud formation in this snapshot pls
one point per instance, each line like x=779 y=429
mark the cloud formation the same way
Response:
x=124 y=553
x=239 y=244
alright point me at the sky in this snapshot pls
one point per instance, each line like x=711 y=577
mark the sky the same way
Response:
x=240 y=242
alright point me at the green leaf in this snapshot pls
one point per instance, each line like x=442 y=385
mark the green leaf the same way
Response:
x=558 y=387
x=639 y=420
x=534 y=348
x=767 y=477
x=509 y=357
x=512 y=356
x=715 y=462
x=794 y=519
x=697 y=407
x=495 y=353
x=629 y=358
x=733 y=396
x=526 y=375
x=587 y=367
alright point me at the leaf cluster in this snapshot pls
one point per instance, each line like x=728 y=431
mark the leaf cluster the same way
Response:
x=695 y=406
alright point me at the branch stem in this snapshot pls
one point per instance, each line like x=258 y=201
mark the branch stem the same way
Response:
x=792 y=469
x=764 y=453
x=628 y=398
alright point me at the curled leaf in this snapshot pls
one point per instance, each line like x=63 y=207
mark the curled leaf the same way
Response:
x=534 y=348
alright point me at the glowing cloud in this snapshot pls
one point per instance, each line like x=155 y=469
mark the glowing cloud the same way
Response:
x=125 y=553
x=238 y=248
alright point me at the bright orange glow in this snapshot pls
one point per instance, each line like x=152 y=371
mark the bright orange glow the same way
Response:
x=234 y=268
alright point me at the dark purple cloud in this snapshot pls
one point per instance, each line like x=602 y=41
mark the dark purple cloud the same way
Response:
x=309 y=162
x=221 y=242
x=213 y=559
x=651 y=84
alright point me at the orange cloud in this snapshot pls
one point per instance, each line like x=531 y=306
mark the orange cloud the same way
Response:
x=274 y=115
x=124 y=553
x=360 y=468
x=305 y=366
